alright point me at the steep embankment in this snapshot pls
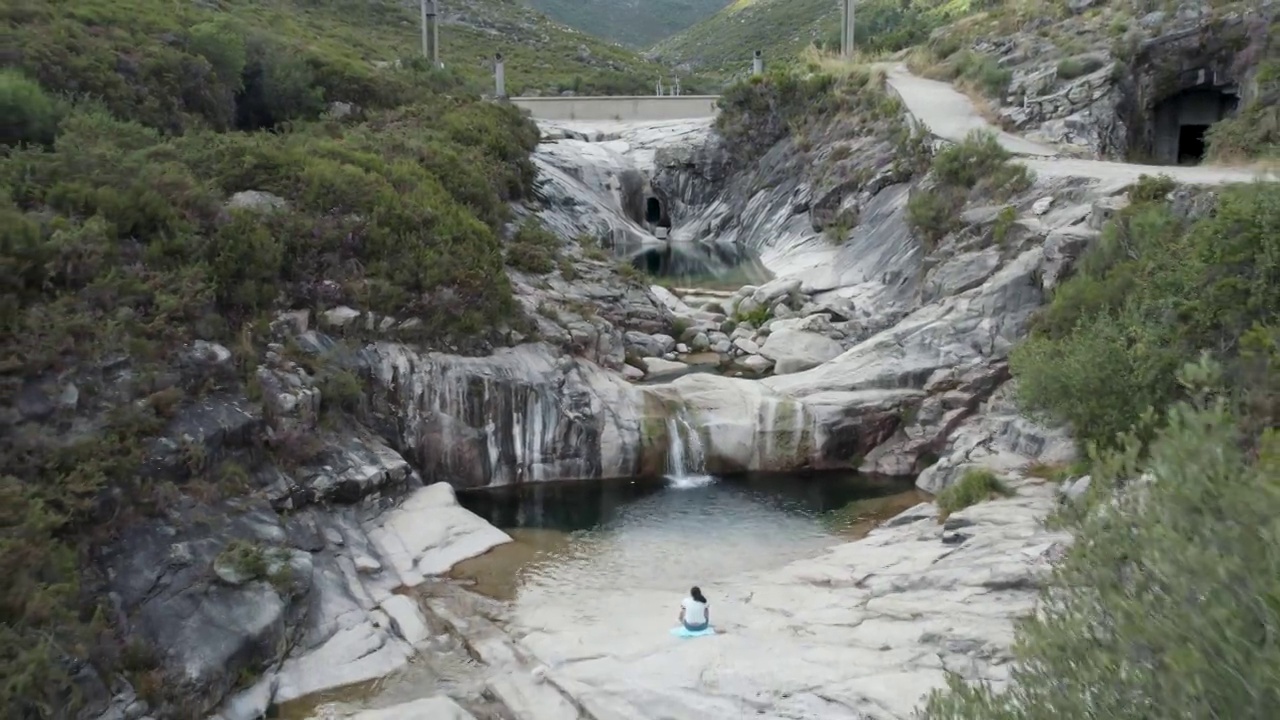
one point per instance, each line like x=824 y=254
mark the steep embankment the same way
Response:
x=635 y=23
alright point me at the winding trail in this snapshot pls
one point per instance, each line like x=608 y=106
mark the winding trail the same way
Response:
x=950 y=115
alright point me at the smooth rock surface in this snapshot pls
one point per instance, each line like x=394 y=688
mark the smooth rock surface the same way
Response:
x=797 y=350
x=430 y=533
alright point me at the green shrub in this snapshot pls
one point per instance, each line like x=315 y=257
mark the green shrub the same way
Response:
x=977 y=485
x=533 y=249
x=1165 y=604
x=756 y=318
x=27 y=114
x=1078 y=66
x=972 y=69
x=1153 y=294
x=976 y=167
x=932 y=213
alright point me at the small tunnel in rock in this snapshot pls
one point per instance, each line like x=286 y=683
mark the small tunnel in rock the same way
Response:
x=654 y=213
x=1182 y=119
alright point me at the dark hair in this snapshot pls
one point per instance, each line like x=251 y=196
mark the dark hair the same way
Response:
x=696 y=592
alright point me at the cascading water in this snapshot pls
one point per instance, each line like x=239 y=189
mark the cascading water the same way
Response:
x=686 y=463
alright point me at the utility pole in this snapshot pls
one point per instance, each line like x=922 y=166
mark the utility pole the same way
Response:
x=430 y=33
x=846 y=32
x=499 y=76
x=757 y=63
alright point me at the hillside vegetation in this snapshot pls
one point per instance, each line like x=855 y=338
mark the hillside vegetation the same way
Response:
x=635 y=23
x=1163 y=355
x=352 y=36
x=171 y=177
x=722 y=44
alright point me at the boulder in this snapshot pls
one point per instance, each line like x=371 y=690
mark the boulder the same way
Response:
x=796 y=350
x=656 y=368
x=430 y=532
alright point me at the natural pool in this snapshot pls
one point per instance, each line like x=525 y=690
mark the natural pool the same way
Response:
x=575 y=538
x=621 y=552
x=696 y=264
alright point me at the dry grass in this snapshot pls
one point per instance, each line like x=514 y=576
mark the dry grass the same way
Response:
x=836 y=65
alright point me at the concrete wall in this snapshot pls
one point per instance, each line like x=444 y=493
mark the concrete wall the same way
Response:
x=620 y=107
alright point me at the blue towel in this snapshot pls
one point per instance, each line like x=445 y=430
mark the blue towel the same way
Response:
x=681 y=631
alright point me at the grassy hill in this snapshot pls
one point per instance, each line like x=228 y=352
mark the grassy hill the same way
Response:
x=542 y=56
x=636 y=23
x=722 y=44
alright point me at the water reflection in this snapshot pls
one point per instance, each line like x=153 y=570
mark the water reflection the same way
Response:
x=577 y=536
x=697 y=264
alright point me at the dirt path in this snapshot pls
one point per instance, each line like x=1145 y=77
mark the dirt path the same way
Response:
x=950 y=115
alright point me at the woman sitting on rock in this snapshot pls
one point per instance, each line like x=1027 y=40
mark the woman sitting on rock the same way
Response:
x=694 y=613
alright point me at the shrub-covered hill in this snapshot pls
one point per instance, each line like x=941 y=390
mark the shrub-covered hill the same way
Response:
x=722 y=43
x=636 y=23
x=173 y=174
x=106 y=47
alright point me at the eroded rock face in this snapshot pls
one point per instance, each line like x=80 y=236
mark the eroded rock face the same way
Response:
x=520 y=415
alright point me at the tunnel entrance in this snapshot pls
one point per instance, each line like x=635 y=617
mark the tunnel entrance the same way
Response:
x=652 y=210
x=1182 y=119
x=1191 y=144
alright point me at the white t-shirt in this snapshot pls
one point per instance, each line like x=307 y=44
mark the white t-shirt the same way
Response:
x=695 y=613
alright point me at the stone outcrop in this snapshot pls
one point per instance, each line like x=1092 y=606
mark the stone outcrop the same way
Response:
x=1104 y=98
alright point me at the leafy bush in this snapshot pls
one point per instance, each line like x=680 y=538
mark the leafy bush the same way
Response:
x=977 y=167
x=533 y=248
x=975 y=486
x=970 y=70
x=1078 y=66
x=1154 y=293
x=28 y=114
x=1165 y=604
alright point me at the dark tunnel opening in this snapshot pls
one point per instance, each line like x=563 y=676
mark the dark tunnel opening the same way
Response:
x=653 y=210
x=1182 y=119
x=1191 y=144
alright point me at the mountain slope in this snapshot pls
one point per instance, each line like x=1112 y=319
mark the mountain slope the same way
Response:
x=722 y=44
x=636 y=23
x=542 y=56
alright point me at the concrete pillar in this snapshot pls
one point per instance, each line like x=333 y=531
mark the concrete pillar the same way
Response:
x=499 y=76
x=659 y=93
x=757 y=63
x=430 y=33
x=846 y=28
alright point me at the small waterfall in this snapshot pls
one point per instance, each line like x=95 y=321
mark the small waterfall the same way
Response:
x=686 y=463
